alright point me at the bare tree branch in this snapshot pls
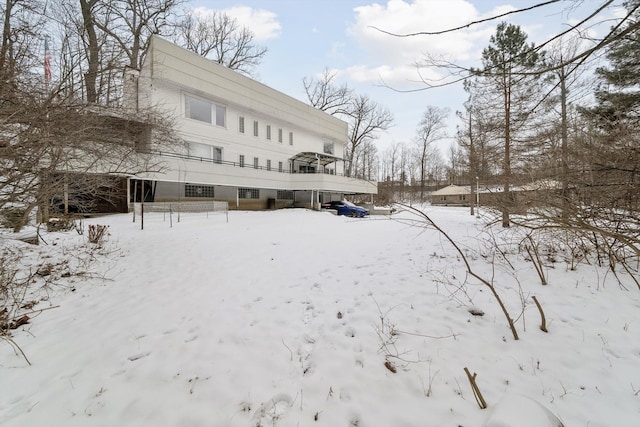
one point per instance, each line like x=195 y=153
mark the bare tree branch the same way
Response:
x=470 y=24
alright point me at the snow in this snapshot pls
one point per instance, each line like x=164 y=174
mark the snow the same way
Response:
x=286 y=318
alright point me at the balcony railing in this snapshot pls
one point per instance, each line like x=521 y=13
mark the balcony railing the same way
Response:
x=241 y=165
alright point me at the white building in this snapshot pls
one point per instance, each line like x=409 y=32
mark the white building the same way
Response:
x=243 y=141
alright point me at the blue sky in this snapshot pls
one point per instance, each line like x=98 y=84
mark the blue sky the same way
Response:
x=306 y=36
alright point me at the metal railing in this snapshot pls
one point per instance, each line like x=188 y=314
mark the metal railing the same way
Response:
x=246 y=165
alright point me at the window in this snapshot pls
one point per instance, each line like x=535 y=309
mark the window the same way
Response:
x=198 y=109
x=269 y=132
x=290 y=138
x=255 y=163
x=280 y=167
x=280 y=135
x=193 y=190
x=221 y=113
x=328 y=146
x=201 y=110
x=285 y=195
x=248 y=193
x=217 y=154
x=204 y=151
x=255 y=128
x=241 y=160
x=268 y=165
x=241 y=124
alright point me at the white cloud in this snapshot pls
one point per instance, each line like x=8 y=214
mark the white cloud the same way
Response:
x=263 y=23
x=395 y=57
x=403 y=77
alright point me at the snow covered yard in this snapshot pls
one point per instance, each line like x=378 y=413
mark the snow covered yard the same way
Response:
x=286 y=318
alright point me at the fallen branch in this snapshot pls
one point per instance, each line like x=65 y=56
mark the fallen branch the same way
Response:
x=476 y=391
x=434 y=337
x=16 y=347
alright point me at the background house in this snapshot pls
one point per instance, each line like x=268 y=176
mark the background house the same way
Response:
x=451 y=195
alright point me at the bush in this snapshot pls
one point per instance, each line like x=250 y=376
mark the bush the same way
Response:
x=98 y=233
x=12 y=217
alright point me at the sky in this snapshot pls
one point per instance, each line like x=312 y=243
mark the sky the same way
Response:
x=304 y=37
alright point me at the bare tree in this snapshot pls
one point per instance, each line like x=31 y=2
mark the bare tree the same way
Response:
x=53 y=146
x=325 y=95
x=430 y=130
x=18 y=53
x=131 y=24
x=366 y=119
x=456 y=171
x=219 y=37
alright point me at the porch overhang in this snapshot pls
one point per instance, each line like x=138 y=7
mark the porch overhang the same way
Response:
x=309 y=158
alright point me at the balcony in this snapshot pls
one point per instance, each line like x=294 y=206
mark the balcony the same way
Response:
x=192 y=169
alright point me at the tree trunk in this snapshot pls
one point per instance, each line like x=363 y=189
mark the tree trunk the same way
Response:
x=93 y=57
x=506 y=221
x=565 y=144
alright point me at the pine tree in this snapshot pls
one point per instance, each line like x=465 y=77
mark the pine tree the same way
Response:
x=507 y=63
x=618 y=94
x=614 y=149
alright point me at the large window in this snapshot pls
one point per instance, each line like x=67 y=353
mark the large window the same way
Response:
x=269 y=132
x=194 y=190
x=280 y=135
x=198 y=109
x=255 y=128
x=205 y=151
x=248 y=193
x=255 y=162
x=241 y=160
x=204 y=111
x=268 y=165
x=290 y=138
x=241 y=124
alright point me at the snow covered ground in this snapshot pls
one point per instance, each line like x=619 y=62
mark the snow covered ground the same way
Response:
x=287 y=318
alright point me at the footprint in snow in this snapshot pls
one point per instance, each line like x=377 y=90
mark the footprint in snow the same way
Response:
x=272 y=410
x=138 y=356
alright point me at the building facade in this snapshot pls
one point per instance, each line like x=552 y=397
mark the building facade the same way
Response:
x=452 y=195
x=240 y=141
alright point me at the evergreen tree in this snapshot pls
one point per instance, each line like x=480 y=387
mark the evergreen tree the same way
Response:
x=614 y=147
x=509 y=88
x=618 y=94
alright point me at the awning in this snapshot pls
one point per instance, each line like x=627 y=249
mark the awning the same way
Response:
x=315 y=158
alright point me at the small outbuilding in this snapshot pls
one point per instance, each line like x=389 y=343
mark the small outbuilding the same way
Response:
x=451 y=195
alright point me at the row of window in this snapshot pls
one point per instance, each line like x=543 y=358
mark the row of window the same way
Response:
x=256 y=163
x=256 y=130
x=209 y=112
x=461 y=197
x=207 y=191
x=213 y=153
